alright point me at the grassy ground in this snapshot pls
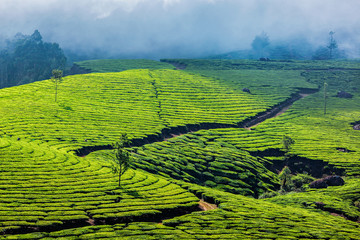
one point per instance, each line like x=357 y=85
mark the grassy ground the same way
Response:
x=47 y=192
x=44 y=188
x=237 y=217
x=93 y=109
x=118 y=65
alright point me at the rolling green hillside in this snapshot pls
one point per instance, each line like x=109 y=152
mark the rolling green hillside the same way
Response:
x=93 y=109
x=237 y=217
x=190 y=142
x=44 y=188
x=118 y=65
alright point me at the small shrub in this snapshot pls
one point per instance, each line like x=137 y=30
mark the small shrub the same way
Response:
x=301 y=179
x=210 y=184
x=285 y=177
x=268 y=195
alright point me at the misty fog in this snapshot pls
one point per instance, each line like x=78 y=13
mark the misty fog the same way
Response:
x=180 y=28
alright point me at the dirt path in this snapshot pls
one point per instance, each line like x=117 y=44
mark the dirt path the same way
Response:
x=278 y=113
x=177 y=65
x=205 y=206
x=168 y=133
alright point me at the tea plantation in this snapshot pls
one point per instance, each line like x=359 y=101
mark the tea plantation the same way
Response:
x=118 y=65
x=197 y=134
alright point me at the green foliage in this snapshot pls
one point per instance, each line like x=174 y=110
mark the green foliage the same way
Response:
x=300 y=180
x=197 y=158
x=287 y=143
x=118 y=65
x=340 y=200
x=316 y=137
x=28 y=59
x=103 y=106
x=285 y=177
x=122 y=156
x=140 y=102
x=325 y=97
x=260 y=43
x=56 y=78
x=214 y=65
x=44 y=186
x=268 y=194
x=237 y=217
x=331 y=51
x=57 y=74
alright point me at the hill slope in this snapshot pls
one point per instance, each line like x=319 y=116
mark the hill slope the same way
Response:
x=50 y=192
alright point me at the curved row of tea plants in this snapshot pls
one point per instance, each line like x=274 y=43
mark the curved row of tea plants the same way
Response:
x=118 y=65
x=46 y=188
x=197 y=159
x=193 y=99
x=338 y=200
x=243 y=64
x=237 y=217
x=93 y=109
x=317 y=136
x=43 y=188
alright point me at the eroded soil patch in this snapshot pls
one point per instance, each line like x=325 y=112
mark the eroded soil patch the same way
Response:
x=297 y=164
x=205 y=206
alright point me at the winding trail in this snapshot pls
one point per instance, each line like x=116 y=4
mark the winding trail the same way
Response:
x=276 y=112
x=205 y=206
x=168 y=133
x=178 y=66
x=171 y=132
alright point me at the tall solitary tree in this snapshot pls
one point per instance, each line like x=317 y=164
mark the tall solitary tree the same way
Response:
x=285 y=177
x=287 y=144
x=332 y=44
x=121 y=156
x=330 y=51
x=57 y=78
x=259 y=43
x=325 y=97
x=285 y=174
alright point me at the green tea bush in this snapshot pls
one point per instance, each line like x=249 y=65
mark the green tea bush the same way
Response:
x=118 y=65
x=42 y=187
x=47 y=192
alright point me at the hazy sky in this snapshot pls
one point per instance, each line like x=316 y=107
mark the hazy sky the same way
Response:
x=179 y=28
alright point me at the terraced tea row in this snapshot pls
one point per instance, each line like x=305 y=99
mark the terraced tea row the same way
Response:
x=243 y=64
x=339 y=201
x=93 y=109
x=190 y=99
x=196 y=159
x=317 y=136
x=51 y=193
x=238 y=217
x=118 y=65
x=45 y=189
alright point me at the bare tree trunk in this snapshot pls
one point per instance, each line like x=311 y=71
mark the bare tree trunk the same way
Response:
x=120 y=175
x=325 y=85
x=55 y=90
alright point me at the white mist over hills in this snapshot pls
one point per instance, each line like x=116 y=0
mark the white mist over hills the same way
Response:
x=180 y=28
